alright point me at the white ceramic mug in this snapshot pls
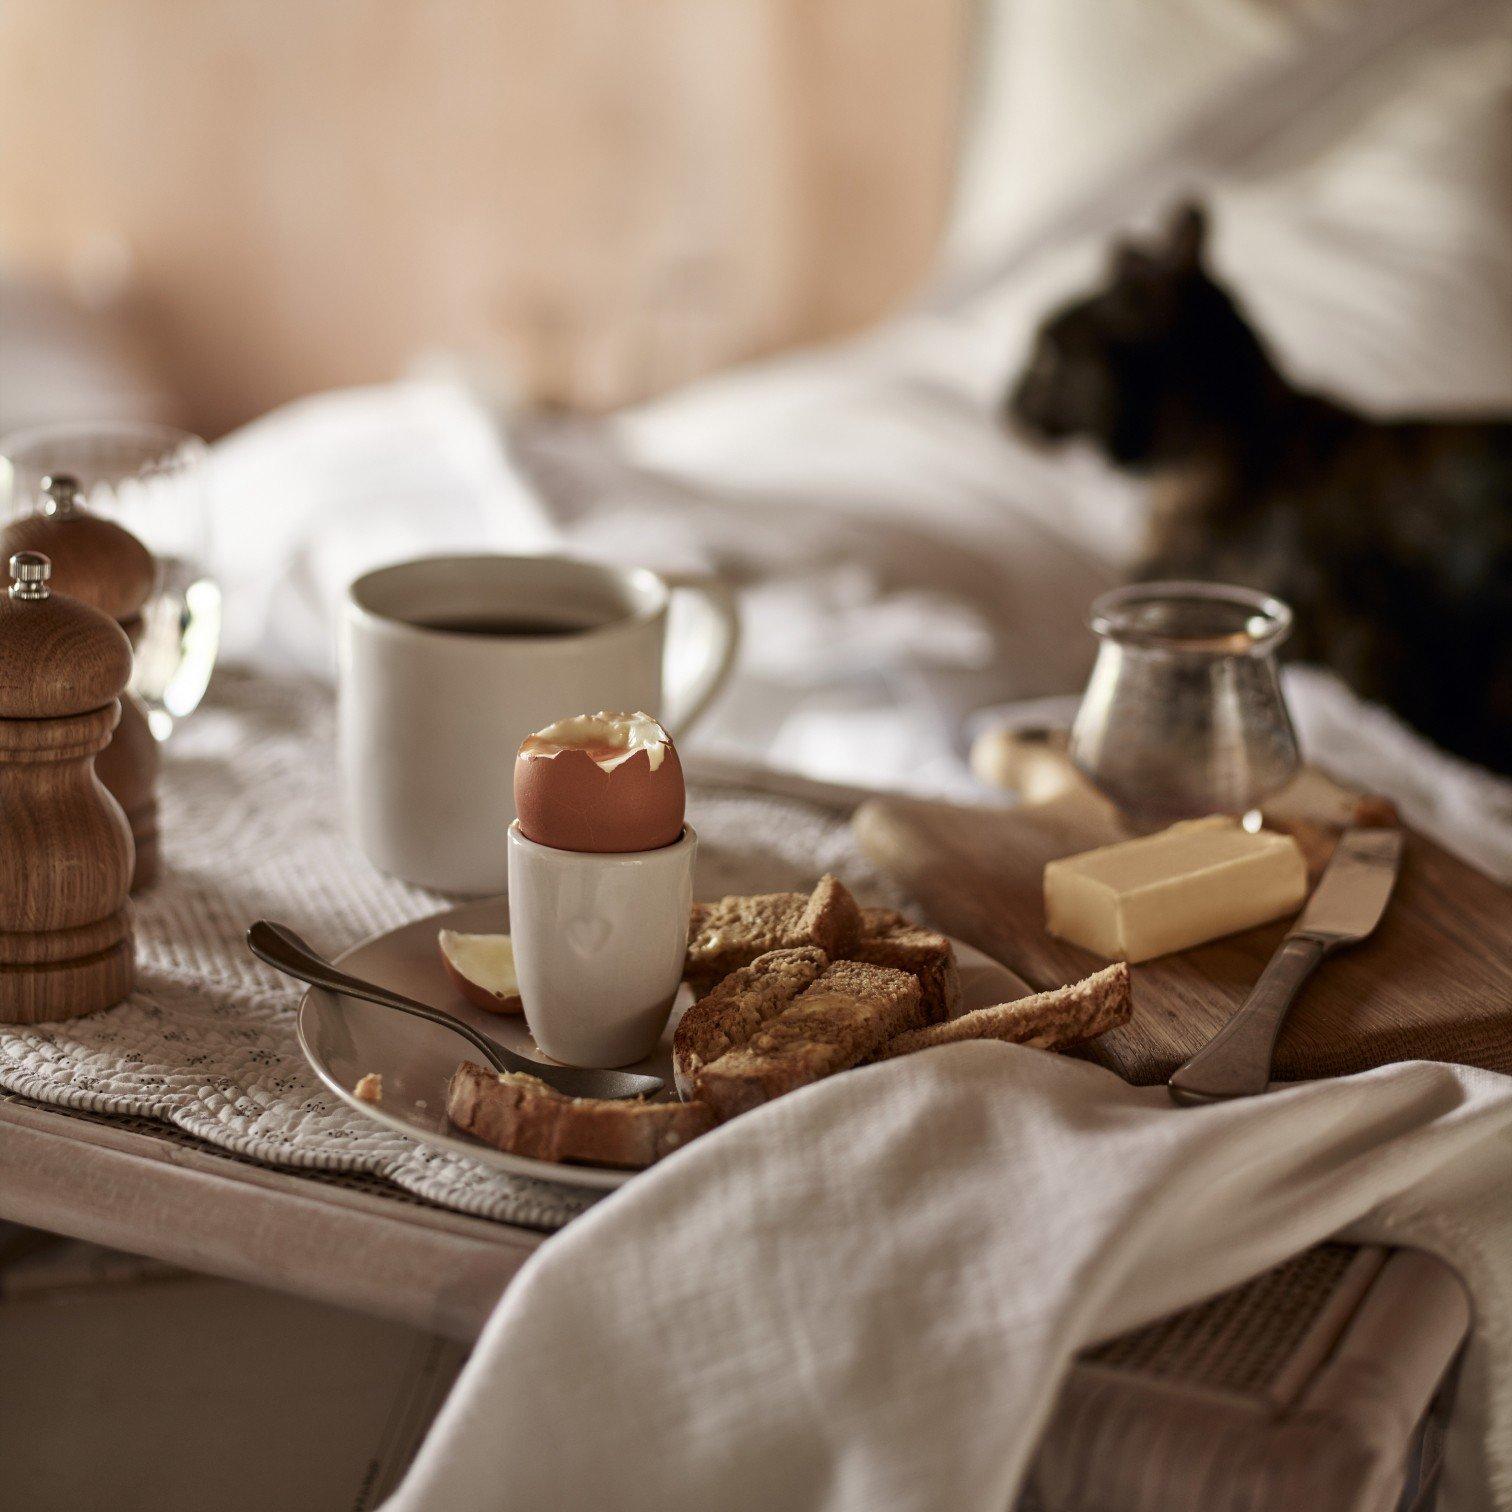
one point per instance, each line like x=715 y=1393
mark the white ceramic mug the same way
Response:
x=599 y=945
x=430 y=718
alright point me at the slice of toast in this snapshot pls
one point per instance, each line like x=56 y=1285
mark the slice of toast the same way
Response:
x=849 y=1012
x=1052 y=1020
x=912 y=947
x=521 y=1115
x=878 y=921
x=742 y=1003
x=731 y=933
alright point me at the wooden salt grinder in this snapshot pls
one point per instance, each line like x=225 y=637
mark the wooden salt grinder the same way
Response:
x=103 y=565
x=65 y=847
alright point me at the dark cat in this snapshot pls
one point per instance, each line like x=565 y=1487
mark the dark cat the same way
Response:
x=1392 y=542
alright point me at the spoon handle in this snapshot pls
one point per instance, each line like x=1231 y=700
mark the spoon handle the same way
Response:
x=282 y=949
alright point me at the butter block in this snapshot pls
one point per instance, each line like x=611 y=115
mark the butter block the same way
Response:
x=1182 y=887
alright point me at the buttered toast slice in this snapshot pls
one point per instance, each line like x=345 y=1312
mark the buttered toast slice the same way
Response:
x=742 y=1003
x=750 y=997
x=888 y=939
x=521 y=1115
x=1054 y=1020
x=845 y=1016
x=731 y=933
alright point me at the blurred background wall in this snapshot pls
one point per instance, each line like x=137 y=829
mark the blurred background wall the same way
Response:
x=586 y=200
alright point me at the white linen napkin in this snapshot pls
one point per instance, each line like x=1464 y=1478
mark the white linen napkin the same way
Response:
x=865 y=1294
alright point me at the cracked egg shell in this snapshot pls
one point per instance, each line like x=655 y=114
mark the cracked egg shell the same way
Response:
x=481 y=967
x=569 y=802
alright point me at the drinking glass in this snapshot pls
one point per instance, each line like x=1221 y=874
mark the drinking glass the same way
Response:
x=1184 y=715
x=153 y=480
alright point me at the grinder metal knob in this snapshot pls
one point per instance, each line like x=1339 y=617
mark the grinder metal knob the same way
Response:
x=29 y=572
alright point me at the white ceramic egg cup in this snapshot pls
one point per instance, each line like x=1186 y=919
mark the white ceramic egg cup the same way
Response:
x=599 y=943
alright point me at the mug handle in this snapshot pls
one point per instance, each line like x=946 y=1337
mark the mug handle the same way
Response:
x=687 y=705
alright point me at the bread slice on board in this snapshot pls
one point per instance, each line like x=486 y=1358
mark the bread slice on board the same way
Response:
x=1053 y=1020
x=731 y=933
x=742 y=1003
x=844 y=1017
x=523 y=1116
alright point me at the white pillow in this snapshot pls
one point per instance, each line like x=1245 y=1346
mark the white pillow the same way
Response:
x=1356 y=156
x=1382 y=267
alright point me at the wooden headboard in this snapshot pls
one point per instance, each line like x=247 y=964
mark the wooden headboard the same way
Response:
x=589 y=200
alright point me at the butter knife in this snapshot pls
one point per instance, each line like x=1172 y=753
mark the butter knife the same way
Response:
x=1344 y=909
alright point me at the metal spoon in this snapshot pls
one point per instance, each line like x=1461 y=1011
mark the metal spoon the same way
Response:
x=283 y=950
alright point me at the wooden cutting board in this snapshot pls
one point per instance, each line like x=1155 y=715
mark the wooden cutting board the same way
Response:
x=1433 y=983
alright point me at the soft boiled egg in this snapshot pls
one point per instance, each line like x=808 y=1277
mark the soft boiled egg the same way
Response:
x=601 y=782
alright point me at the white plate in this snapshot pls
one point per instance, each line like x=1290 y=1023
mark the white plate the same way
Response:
x=344 y=1039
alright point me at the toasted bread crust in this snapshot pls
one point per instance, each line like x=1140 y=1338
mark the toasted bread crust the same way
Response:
x=749 y=997
x=1051 y=1020
x=831 y=918
x=524 y=1116
x=928 y=955
x=845 y=1016
x=731 y=933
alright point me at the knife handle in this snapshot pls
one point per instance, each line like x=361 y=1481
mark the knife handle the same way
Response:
x=1236 y=1062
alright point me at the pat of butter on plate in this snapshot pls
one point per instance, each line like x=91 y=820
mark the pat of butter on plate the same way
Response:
x=1187 y=885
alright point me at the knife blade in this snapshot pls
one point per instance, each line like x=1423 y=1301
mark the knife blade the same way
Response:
x=1349 y=900
x=1345 y=907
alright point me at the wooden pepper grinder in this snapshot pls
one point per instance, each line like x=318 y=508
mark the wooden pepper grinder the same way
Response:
x=65 y=847
x=103 y=565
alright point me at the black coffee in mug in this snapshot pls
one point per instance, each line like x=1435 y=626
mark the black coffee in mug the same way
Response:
x=506 y=626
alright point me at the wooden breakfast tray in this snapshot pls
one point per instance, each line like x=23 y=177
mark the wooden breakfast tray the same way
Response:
x=1433 y=983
